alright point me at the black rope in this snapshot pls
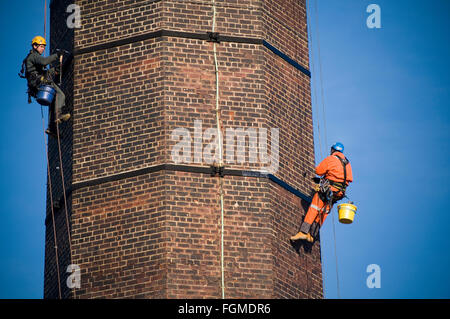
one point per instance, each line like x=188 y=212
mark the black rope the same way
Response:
x=51 y=206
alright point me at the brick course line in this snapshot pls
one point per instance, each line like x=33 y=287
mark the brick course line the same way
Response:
x=185 y=168
x=192 y=169
x=191 y=35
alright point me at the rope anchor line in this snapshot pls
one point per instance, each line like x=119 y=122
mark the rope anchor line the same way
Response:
x=52 y=204
x=50 y=189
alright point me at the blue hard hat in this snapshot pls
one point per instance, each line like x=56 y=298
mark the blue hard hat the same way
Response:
x=338 y=147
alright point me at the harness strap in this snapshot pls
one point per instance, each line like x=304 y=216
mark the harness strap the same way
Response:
x=23 y=71
x=340 y=186
x=344 y=163
x=24 y=74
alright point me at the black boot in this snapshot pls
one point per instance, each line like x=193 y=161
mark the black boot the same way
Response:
x=51 y=130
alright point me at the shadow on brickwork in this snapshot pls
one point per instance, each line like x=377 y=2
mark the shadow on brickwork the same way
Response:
x=61 y=37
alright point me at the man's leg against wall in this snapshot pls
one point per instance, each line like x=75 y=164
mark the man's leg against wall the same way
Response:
x=60 y=100
x=55 y=110
x=311 y=216
x=51 y=121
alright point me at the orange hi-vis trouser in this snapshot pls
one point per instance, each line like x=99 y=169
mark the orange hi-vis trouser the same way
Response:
x=317 y=205
x=318 y=211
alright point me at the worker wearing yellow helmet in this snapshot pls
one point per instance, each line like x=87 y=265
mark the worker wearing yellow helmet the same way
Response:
x=38 y=40
x=35 y=70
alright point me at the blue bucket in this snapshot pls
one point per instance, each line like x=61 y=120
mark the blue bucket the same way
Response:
x=45 y=95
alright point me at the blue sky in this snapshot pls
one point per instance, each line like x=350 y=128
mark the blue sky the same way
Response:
x=386 y=96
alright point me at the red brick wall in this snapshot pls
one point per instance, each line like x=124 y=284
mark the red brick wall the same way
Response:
x=120 y=238
x=284 y=26
x=104 y=20
x=289 y=106
x=118 y=114
x=158 y=235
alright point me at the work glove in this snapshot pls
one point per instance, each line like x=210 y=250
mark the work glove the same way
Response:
x=316 y=179
x=60 y=52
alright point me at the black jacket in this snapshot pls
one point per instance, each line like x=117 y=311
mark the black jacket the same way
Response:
x=35 y=65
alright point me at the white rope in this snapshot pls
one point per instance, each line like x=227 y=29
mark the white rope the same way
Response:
x=219 y=136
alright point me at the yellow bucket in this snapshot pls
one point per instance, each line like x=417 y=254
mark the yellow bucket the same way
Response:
x=346 y=213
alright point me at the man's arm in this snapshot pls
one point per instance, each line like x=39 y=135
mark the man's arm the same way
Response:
x=349 y=173
x=40 y=60
x=322 y=168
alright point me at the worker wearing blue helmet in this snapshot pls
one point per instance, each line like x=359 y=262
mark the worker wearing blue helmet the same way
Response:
x=336 y=173
x=338 y=146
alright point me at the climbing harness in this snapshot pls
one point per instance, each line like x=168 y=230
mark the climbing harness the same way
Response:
x=325 y=193
x=39 y=85
x=341 y=186
x=33 y=80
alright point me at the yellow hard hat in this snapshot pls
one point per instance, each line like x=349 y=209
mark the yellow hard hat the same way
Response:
x=38 y=40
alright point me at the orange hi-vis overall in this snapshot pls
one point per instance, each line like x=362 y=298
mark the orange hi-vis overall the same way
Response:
x=330 y=168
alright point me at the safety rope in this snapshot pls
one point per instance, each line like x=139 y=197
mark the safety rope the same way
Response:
x=335 y=255
x=45 y=19
x=220 y=146
x=61 y=171
x=49 y=175
x=64 y=195
x=51 y=205
x=69 y=237
x=324 y=126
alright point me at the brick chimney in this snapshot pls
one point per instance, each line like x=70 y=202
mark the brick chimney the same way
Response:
x=152 y=213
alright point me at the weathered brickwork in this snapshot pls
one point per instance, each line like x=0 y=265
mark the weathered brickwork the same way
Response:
x=105 y=20
x=158 y=234
x=297 y=274
x=120 y=238
x=118 y=114
x=284 y=26
x=289 y=108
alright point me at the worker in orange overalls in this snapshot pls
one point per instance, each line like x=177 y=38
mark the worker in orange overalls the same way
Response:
x=336 y=173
